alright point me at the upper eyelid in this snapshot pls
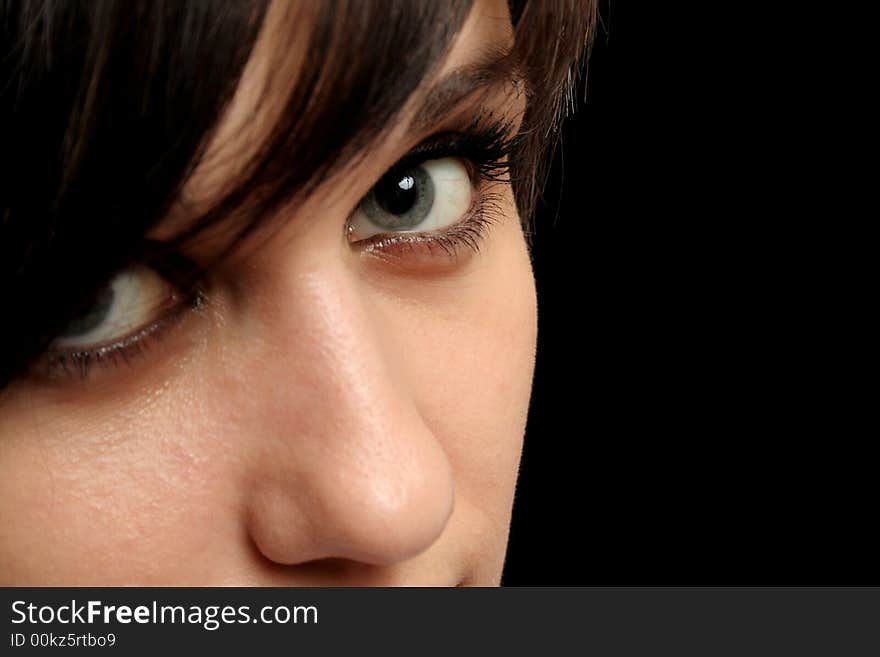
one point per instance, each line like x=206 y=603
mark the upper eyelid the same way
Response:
x=474 y=116
x=429 y=148
x=447 y=144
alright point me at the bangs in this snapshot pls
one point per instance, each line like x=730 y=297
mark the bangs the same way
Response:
x=108 y=109
x=356 y=66
x=353 y=66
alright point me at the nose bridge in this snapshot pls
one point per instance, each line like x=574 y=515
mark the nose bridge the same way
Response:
x=350 y=470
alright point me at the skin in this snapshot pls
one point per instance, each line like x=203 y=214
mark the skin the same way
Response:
x=330 y=417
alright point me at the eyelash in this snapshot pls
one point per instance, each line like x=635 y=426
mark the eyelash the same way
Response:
x=182 y=274
x=484 y=146
x=123 y=350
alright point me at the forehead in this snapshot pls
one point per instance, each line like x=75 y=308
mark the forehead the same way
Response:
x=487 y=26
x=281 y=58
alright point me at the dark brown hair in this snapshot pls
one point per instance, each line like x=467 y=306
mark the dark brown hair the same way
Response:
x=106 y=109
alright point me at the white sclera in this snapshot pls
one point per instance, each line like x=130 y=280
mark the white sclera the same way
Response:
x=453 y=195
x=138 y=293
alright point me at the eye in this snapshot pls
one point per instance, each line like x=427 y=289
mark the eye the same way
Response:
x=430 y=196
x=130 y=302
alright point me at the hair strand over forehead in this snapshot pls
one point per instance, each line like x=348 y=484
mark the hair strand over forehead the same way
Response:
x=108 y=107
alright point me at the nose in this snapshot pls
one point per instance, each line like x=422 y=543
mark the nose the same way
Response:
x=343 y=465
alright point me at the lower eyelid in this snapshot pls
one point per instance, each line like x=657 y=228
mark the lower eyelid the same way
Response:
x=63 y=365
x=434 y=252
x=448 y=242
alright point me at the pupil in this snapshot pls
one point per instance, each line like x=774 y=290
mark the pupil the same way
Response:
x=401 y=199
x=397 y=193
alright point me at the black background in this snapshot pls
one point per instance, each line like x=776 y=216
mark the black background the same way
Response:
x=692 y=420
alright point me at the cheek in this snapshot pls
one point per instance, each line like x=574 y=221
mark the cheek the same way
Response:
x=468 y=350
x=106 y=498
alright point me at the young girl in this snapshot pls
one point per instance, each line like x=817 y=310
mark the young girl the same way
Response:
x=270 y=315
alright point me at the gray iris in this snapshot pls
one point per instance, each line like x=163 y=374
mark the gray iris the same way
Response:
x=401 y=200
x=91 y=318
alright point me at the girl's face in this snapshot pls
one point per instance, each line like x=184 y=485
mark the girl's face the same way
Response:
x=343 y=406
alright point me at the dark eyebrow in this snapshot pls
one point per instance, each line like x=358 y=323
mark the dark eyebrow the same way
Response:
x=492 y=69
